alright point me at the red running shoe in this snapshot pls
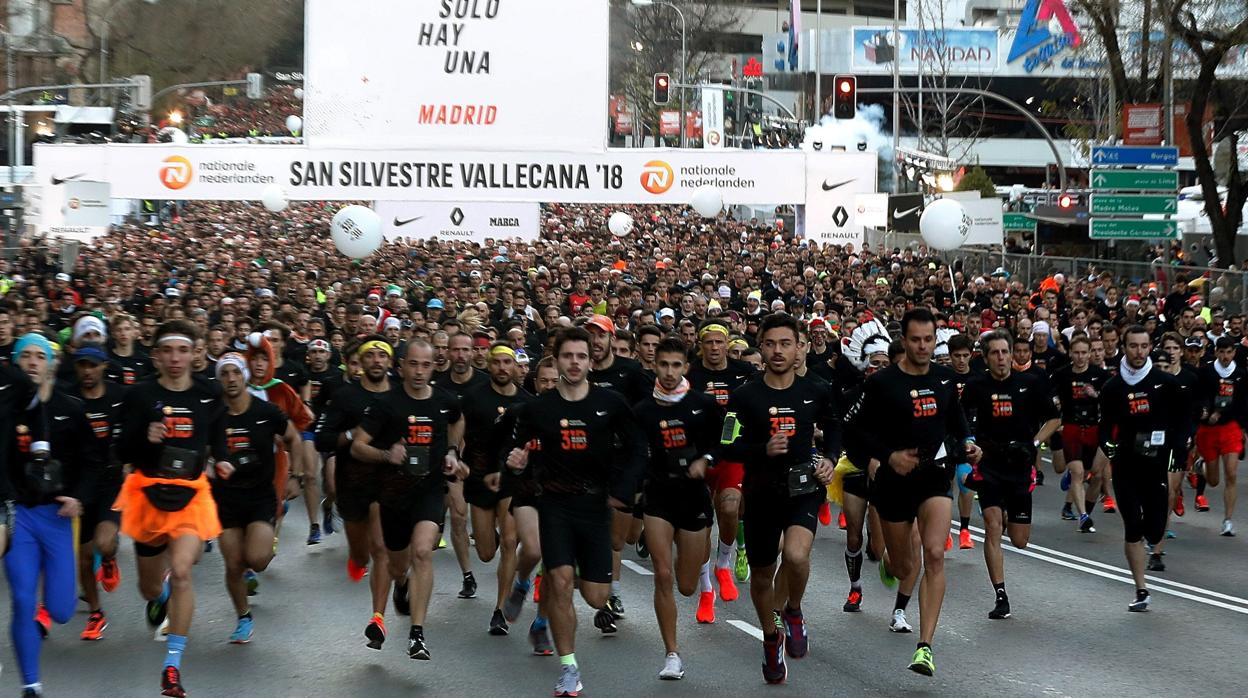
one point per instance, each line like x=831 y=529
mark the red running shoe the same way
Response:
x=537 y=588
x=109 y=575
x=1178 y=505
x=706 y=607
x=1202 y=503
x=44 y=621
x=727 y=587
x=356 y=572
x=1108 y=505
x=840 y=521
x=171 y=683
x=949 y=542
x=964 y=540
x=825 y=513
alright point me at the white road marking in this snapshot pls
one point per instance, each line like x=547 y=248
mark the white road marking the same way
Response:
x=636 y=568
x=746 y=628
x=1119 y=574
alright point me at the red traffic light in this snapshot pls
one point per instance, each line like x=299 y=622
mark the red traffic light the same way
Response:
x=845 y=97
x=1065 y=201
x=845 y=86
x=662 y=80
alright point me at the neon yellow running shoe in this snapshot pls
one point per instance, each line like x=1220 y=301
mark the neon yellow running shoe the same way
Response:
x=887 y=579
x=922 y=662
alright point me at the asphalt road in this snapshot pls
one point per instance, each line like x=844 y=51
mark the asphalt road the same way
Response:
x=1070 y=634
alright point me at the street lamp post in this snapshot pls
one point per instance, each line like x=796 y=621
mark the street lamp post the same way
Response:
x=684 y=55
x=108 y=18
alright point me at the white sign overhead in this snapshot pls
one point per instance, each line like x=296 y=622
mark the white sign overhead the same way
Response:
x=464 y=222
x=457 y=74
x=987 y=221
x=87 y=204
x=241 y=172
x=833 y=183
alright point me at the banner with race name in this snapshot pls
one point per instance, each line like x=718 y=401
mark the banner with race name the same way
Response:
x=833 y=182
x=457 y=74
x=618 y=176
x=467 y=222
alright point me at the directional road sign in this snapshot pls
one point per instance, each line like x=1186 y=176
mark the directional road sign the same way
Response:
x=1120 y=155
x=1132 y=204
x=1135 y=180
x=1117 y=229
x=1016 y=222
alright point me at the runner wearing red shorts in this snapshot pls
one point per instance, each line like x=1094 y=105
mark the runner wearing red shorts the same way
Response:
x=1219 y=438
x=1078 y=387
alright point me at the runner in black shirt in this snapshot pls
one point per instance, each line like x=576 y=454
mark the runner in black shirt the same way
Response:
x=413 y=435
x=128 y=363
x=493 y=528
x=357 y=485
x=589 y=461
x=169 y=428
x=770 y=426
x=909 y=423
x=1078 y=387
x=323 y=380
x=1170 y=360
x=247 y=502
x=460 y=378
x=1011 y=414
x=97 y=533
x=1223 y=395
x=719 y=376
x=682 y=426
x=961 y=349
x=1142 y=422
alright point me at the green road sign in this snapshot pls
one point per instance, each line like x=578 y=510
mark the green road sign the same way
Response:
x=1132 y=204
x=1135 y=180
x=1131 y=229
x=1018 y=222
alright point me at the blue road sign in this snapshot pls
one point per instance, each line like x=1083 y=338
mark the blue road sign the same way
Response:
x=1117 y=155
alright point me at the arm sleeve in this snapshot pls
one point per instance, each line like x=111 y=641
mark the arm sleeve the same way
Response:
x=133 y=446
x=708 y=439
x=1109 y=415
x=861 y=437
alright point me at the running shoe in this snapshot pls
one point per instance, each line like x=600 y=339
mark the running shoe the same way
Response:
x=922 y=662
x=109 y=575
x=1002 y=610
x=1142 y=599
x=1170 y=535
x=642 y=551
x=242 y=631
x=1202 y=503
x=314 y=535
x=1068 y=512
x=1108 y=506
x=1086 y=524
x=498 y=624
x=706 y=607
x=796 y=641
x=1192 y=478
x=157 y=608
x=949 y=541
x=44 y=621
x=1179 y=510
x=898 y=624
x=253 y=582
x=775 y=670
x=841 y=523
x=207 y=546
x=416 y=647
x=605 y=621
x=537 y=588
x=469 y=590
x=31 y=692
x=569 y=683
x=853 y=603
x=539 y=638
x=1228 y=528
x=887 y=579
x=97 y=623
x=727 y=587
x=441 y=543
x=327 y=517
x=825 y=514
x=1039 y=477
x=356 y=573
x=171 y=683
x=1065 y=480
x=615 y=606
x=964 y=540
x=673 y=668
x=514 y=603
x=375 y=631
x=402 y=598
x=1155 y=563
x=741 y=569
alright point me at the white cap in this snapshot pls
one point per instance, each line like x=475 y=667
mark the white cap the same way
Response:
x=1040 y=327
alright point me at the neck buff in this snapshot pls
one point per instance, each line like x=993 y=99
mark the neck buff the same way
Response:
x=1021 y=368
x=1132 y=376
x=674 y=396
x=1224 y=371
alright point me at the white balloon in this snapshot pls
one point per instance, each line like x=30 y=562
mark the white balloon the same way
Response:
x=356 y=231
x=176 y=135
x=274 y=198
x=1016 y=192
x=294 y=124
x=945 y=225
x=298 y=93
x=620 y=224
x=708 y=201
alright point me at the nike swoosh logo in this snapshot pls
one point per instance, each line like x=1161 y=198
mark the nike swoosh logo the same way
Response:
x=944 y=382
x=807 y=402
x=898 y=213
x=262 y=421
x=205 y=402
x=116 y=404
x=60 y=417
x=600 y=414
x=443 y=411
x=398 y=223
x=1022 y=390
x=830 y=187
x=62 y=180
x=5 y=387
x=697 y=411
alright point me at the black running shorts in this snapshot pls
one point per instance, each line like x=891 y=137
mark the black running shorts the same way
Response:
x=242 y=507
x=576 y=530
x=897 y=498
x=772 y=512
x=1014 y=500
x=685 y=504
x=357 y=485
x=399 y=517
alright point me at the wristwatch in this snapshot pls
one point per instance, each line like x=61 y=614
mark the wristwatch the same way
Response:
x=710 y=460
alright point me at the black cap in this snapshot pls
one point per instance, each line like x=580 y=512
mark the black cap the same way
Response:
x=1193 y=343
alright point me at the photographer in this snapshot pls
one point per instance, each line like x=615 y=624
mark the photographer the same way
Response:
x=51 y=470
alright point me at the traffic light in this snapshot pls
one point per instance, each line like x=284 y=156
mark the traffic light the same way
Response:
x=844 y=97
x=255 y=85
x=662 y=88
x=1065 y=201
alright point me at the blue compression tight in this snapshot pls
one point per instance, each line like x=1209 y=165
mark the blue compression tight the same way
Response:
x=43 y=543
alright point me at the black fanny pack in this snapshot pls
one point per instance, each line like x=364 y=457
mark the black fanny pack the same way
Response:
x=169 y=497
x=416 y=462
x=1143 y=445
x=1085 y=415
x=45 y=477
x=678 y=461
x=178 y=464
x=801 y=477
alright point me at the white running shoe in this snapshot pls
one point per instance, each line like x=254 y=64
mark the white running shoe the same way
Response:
x=899 y=624
x=673 y=668
x=1228 y=528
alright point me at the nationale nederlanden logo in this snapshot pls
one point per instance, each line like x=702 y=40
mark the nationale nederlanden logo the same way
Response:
x=657 y=177
x=176 y=172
